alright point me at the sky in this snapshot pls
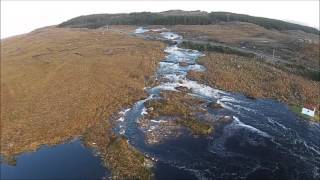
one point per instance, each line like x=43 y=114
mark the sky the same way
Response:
x=18 y=17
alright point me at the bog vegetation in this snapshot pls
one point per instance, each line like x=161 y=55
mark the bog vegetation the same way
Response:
x=57 y=84
x=290 y=67
x=256 y=79
x=183 y=107
x=215 y=48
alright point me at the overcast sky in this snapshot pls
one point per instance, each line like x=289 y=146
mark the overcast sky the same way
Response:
x=19 y=17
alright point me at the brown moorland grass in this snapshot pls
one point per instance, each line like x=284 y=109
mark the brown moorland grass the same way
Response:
x=58 y=83
x=229 y=32
x=298 y=47
x=174 y=104
x=256 y=79
x=183 y=107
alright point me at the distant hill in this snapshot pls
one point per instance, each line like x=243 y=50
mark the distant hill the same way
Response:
x=183 y=13
x=179 y=17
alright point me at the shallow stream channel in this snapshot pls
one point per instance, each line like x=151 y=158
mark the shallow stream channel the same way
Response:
x=190 y=130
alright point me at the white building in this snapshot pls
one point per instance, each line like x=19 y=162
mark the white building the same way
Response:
x=309 y=110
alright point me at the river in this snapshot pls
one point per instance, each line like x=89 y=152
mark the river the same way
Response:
x=265 y=140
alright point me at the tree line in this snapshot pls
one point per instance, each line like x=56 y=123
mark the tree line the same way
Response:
x=148 y=18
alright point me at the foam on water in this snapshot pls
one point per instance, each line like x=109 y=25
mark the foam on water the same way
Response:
x=121 y=119
x=201 y=89
x=164 y=87
x=159 y=121
x=240 y=124
x=123 y=112
x=230 y=99
x=171 y=35
x=168 y=67
x=159 y=29
x=271 y=121
x=140 y=30
x=144 y=111
x=174 y=77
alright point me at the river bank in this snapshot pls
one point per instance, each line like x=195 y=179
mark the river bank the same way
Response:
x=256 y=79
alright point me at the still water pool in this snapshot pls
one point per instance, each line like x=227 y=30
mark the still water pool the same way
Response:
x=65 y=161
